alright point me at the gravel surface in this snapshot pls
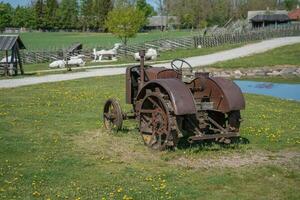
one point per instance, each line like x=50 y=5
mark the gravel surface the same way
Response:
x=194 y=61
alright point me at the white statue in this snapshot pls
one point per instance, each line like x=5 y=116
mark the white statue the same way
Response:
x=110 y=54
x=8 y=58
x=57 y=64
x=77 y=57
x=74 y=61
x=151 y=54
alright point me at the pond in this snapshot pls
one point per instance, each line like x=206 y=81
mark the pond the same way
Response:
x=280 y=90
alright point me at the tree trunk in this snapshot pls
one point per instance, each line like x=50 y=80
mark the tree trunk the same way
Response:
x=125 y=43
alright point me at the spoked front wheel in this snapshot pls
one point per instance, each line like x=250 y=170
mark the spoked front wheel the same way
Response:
x=112 y=115
x=156 y=122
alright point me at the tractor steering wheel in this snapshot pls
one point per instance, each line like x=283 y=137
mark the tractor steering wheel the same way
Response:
x=178 y=64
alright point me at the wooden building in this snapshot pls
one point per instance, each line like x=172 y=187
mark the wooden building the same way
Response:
x=294 y=15
x=12 y=62
x=265 y=18
x=162 y=23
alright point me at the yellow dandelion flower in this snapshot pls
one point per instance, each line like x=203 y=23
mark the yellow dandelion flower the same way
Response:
x=36 y=194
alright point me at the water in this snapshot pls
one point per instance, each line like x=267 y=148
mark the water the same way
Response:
x=279 y=90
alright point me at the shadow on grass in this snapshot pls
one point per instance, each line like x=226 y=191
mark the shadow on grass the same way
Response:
x=212 y=145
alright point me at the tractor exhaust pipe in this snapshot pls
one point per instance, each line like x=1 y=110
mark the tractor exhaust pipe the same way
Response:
x=142 y=67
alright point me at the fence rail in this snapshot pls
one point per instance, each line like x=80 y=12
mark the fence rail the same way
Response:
x=173 y=44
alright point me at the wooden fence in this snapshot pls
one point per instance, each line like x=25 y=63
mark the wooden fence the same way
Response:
x=213 y=41
x=173 y=44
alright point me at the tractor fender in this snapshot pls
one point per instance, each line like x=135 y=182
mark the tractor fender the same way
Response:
x=180 y=96
x=231 y=95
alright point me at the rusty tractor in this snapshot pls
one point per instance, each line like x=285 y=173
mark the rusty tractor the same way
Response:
x=169 y=108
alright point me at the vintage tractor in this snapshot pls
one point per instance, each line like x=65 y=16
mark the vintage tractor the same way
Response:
x=168 y=108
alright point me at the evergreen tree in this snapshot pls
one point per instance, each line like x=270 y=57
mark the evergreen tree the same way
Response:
x=68 y=14
x=5 y=15
x=19 y=17
x=101 y=10
x=51 y=14
x=86 y=14
x=39 y=14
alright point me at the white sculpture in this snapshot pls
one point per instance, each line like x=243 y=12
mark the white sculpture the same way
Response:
x=8 y=58
x=57 y=64
x=74 y=61
x=77 y=57
x=110 y=54
x=151 y=54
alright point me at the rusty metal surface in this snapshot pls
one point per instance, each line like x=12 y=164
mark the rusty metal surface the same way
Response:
x=155 y=121
x=112 y=115
x=160 y=73
x=214 y=136
x=232 y=93
x=225 y=94
x=180 y=96
x=167 y=108
x=128 y=85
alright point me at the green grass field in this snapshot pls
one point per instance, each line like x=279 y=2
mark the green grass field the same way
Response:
x=58 y=40
x=53 y=146
x=169 y=55
x=286 y=55
x=277 y=79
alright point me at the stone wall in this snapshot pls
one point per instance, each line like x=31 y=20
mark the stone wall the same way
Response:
x=272 y=71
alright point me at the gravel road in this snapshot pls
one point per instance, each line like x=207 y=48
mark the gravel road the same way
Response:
x=194 y=61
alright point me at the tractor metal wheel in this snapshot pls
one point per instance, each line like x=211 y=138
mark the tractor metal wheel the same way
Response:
x=156 y=122
x=112 y=115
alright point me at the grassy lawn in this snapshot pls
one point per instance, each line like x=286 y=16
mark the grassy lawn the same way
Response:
x=277 y=79
x=53 y=146
x=287 y=55
x=58 y=40
x=169 y=55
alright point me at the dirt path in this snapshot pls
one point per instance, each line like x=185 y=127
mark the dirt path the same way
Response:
x=235 y=160
x=101 y=145
x=194 y=61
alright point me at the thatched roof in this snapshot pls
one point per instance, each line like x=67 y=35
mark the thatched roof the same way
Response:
x=7 y=42
x=270 y=18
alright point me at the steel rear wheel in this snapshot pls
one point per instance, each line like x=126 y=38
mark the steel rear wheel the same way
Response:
x=112 y=115
x=156 y=122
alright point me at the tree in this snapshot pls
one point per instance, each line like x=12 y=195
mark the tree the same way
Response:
x=86 y=14
x=145 y=7
x=125 y=22
x=39 y=8
x=101 y=10
x=221 y=12
x=19 y=19
x=68 y=14
x=290 y=4
x=51 y=14
x=5 y=15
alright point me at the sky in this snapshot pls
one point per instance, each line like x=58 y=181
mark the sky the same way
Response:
x=26 y=2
